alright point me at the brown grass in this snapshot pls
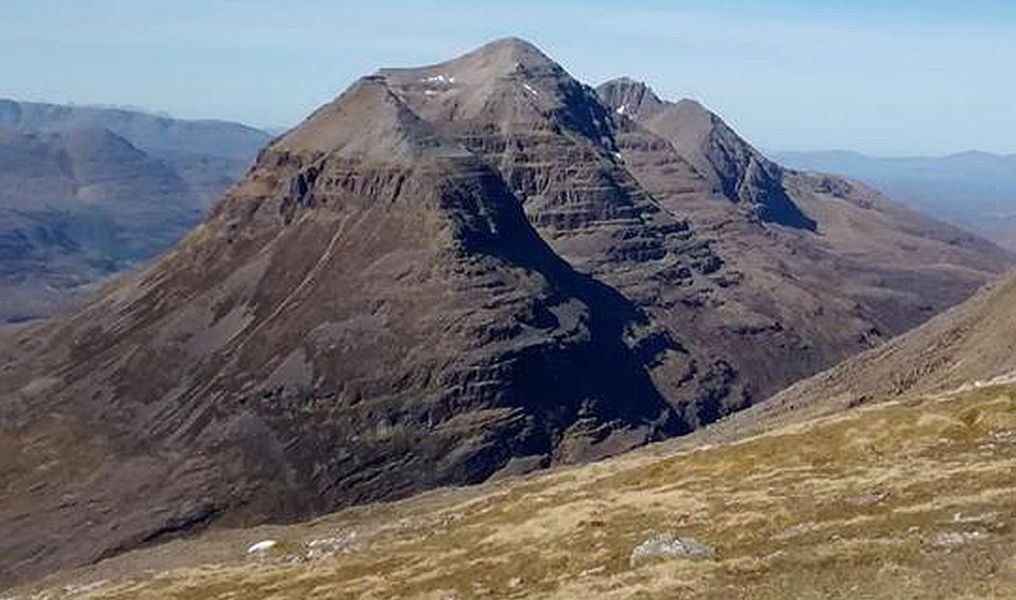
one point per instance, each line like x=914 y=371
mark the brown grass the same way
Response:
x=898 y=500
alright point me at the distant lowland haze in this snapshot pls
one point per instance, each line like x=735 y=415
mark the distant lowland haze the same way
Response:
x=975 y=190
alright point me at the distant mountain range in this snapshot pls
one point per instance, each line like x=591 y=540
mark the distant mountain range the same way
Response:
x=88 y=192
x=975 y=190
x=159 y=135
x=452 y=272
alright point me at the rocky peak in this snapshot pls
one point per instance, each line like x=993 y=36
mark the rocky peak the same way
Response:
x=734 y=168
x=626 y=96
x=510 y=53
x=480 y=72
x=368 y=121
x=509 y=84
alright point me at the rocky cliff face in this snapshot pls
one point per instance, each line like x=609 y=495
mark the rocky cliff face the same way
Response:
x=733 y=168
x=468 y=269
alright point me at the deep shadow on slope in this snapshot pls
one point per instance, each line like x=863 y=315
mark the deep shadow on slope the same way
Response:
x=171 y=439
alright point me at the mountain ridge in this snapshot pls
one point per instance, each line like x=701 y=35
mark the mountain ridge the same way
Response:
x=76 y=207
x=137 y=127
x=735 y=168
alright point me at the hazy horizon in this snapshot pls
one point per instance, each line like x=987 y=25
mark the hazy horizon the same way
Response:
x=880 y=78
x=282 y=128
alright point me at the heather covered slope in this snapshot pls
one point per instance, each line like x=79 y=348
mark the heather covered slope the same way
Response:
x=898 y=500
x=449 y=273
x=972 y=344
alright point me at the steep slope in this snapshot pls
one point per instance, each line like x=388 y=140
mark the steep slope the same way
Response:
x=968 y=346
x=731 y=165
x=76 y=207
x=453 y=272
x=552 y=141
x=368 y=315
x=911 y=499
x=615 y=197
x=896 y=266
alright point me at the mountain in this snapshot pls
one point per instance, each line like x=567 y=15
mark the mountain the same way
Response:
x=891 y=254
x=90 y=192
x=76 y=207
x=450 y=273
x=972 y=189
x=157 y=134
x=573 y=161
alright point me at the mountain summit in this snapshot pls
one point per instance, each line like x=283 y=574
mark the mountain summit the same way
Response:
x=730 y=164
x=630 y=97
x=470 y=269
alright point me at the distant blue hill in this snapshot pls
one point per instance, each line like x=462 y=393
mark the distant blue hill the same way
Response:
x=87 y=192
x=976 y=190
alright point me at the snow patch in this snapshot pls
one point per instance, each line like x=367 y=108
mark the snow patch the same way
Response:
x=622 y=109
x=439 y=79
x=530 y=89
x=262 y=546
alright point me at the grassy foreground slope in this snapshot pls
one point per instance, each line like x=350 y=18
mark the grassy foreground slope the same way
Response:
x=914 y=498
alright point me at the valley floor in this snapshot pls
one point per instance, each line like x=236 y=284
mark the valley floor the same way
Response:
x=911 y=499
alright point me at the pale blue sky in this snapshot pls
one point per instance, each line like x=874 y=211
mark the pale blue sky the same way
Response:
x=883 y=77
